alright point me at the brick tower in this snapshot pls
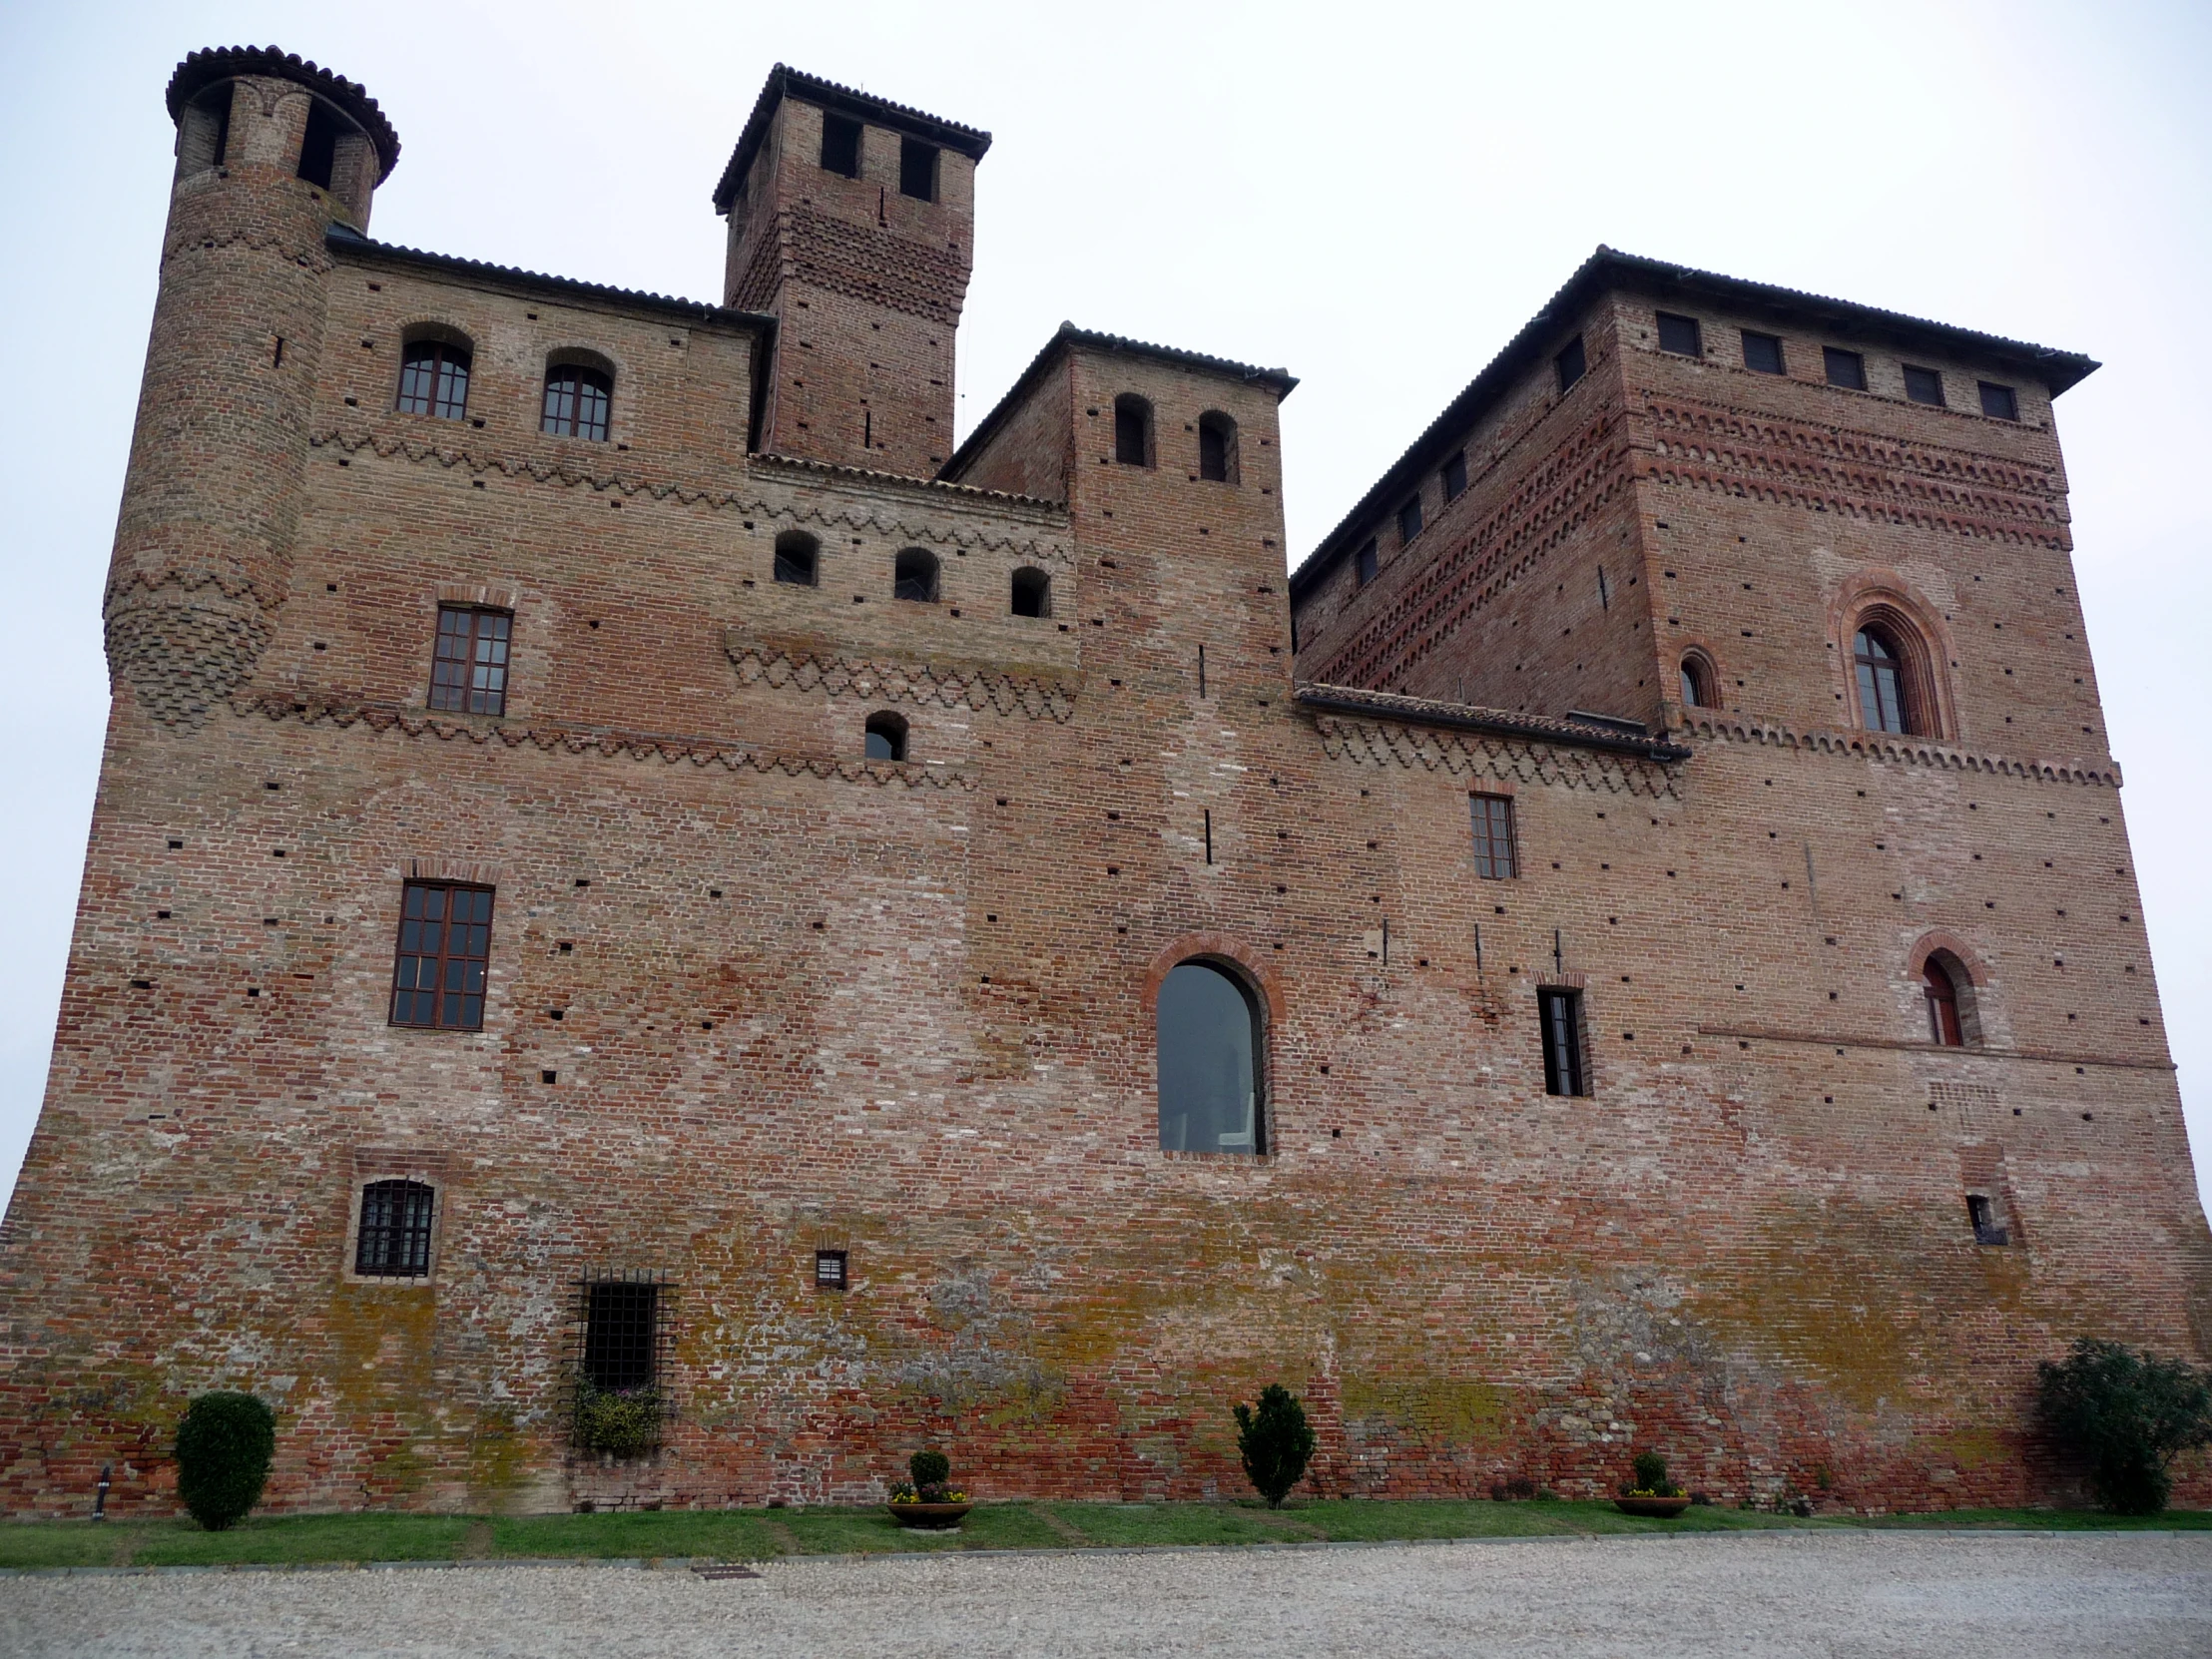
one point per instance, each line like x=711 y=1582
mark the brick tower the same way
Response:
x=851 y=220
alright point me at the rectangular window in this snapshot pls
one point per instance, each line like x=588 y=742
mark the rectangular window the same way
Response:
x=469 y=668
x=1568 y=365
x=1454 y=476
x=395 y=1237
x=1560 y=1013
x=1368 y=561
x=622 y=1327
x=840 y=145
x=1680 y=336
x=917 y=170
x=830 y=1269
x=1845 y=368
x=1999 y=403
x=1988 y=1229
x=1493 y=835
x=444 y=954
x=1763 y=353
x=1923 y=385
x=1409 y=521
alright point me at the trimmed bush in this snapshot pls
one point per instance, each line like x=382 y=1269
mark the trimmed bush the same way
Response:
x=929 y=1468
x=623 y=1422
x=2129 y=1414
x=1276 y=1442
x=224 y=1450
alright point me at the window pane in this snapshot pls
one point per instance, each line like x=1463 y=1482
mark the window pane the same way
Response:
x=1209 y=1082
x=1762 y=354
x=1679 y=335
x=1845 y=368
x=1923 y=385
x=1999 y=403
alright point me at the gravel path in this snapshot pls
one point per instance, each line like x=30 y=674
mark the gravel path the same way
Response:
x=1799 y=1594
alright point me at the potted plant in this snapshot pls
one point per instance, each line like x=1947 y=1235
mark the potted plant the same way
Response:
x=1651 y=1493
x=928 y=1497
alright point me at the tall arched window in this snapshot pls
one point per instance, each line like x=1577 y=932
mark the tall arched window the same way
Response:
x=1698 y=689
x=1944 y=1027
x=887 y=737
x=797 y=559
x=1885 y=698
x=1212 y=1043
x=433 y=378
x=395 y=1236
x=1132 y=430
x=915 y=576
x=1032 y=592
x=578 y=401
x=1217 y=447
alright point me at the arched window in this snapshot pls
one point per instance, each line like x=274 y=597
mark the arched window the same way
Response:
x=578 y=401
x=1944 y=1025
x=915 y=576
x=1217 y=447
x=1698 y=691
x=1211 y=1046
x=395 y=1236
x=1032 y=593
x=1885 y=693
x=433 y=378
x=797 y=559
x=887 y=737
x=1132 y=430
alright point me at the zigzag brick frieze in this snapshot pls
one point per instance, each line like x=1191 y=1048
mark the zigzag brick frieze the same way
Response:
x=307 y=259
x=948 y=687
x=1892 y=749
x=1463 y=755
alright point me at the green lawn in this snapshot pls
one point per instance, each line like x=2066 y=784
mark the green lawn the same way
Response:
x=758 y=1534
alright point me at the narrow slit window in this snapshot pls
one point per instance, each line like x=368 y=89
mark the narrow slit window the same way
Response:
x=1217 y=448
x=433 y=379
x=1763 y=353
x=469 y=668
x=2000 y=402
x=1945 y=1028
x=917 y=170
x=1454 y=475
x=1680 y=336
x=1560 y=1014
x=1923 y=385
x=1132 y=430
x=1493 y=836
x=1569 y=365
x=1696 y=684
x=1409 y=521
x=797 y=559
x=318 y=147
x=444 y=957
x=1845 y=368
x=395 y=1236
x=840 y=145
x=578 y=403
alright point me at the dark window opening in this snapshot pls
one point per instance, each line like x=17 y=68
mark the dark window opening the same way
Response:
x=887 y=738
x=1845 y=368
x=444 y=953
x=1560 y=1014
x=1923 y=385
x=1409 y=521
x=1493 y=836
x=1696 y=684
x=1987 y=1229
x=395 y=1236
x=1680 y=334
x=1454 y=476
x=217 y=105
x=1032 y=593
x=469 y=668
x=1132 y=430
x=915 y=576
x=840 y=145
x=1998 y=402
x=621 y=1329
x=1763 y=353
x=1944 y=1026
x=1217 y=448
x=433 y=379
x=1883 y=704
x=318 y=148
x=1569 y=365
x=830 y=1269
x=1368 y=561
x=917 y=170
x=578 y=403
x=1211 y=1043
x=797 y=559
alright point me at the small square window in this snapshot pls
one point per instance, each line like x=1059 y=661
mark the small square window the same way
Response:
x=840 y=145
x=1763 y=353
x=1680 y=336
x=1569 y=365
x=1409 y=521
x=1923 y=385
x=1845 y=368
x=1454 y=476
x=1367 y=561
x=917 y=170
x=830 y=1269
x=1998 y=402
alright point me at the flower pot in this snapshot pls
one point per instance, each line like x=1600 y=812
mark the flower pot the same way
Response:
x=1658 y=1508
x=938 y=1516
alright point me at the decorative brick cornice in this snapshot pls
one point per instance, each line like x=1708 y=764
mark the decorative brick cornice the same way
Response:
x=1890 y=748
x=191 y=581
x=614 y=745
x=949 y=685
x=1467 y=754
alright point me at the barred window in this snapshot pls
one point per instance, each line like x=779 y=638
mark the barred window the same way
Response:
x=394 y=1240
x=1493 y=835
x=578 y=401
x=620 y=1332
x=470 y=670
x=444 y=953
x=433 y=379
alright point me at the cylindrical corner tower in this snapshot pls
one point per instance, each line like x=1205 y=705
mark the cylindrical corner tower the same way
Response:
x=270 y=151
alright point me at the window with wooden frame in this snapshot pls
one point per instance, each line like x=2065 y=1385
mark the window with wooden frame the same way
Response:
x=1559 y=1014
x=393 y=1239
x=445 y=955
x=1923 y=385
x=579 y=402
x=1698 y=682
x=468 y=672
x=433 y=379
x=1493 y=836
x=1763 y=353
x=1845 y=368
x=1998 y=402
x=1944 y=1027
x=1680 y=336
x=1886 y=700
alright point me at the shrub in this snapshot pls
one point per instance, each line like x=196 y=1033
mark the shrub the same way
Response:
x=2129 y=1414
x=1276 y=1442
x=929 y=1468
x=624 y=1422
x=224 y=1448
x=1651 y=1476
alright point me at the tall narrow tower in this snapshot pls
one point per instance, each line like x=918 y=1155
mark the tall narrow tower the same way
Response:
x=850 y=219
x=270 y=150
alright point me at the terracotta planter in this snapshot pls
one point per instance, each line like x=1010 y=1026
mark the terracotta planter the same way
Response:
x=928 y=1514
x=1658 y=1508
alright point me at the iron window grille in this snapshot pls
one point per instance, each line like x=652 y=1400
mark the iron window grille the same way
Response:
x=578 y=403
x=395 y=1236
x=1493 y=836
x=1763 y=353
x=1987 y=1229
x=1998 y=402
x=1845 y=368
x=1560 y=1014
x=433 y=379
x=621 y=1335
x=831 y=1268
x=1680 y=336
x=444 y=954
x=468 y=672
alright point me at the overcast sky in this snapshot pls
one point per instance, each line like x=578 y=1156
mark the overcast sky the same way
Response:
x=1372 y=196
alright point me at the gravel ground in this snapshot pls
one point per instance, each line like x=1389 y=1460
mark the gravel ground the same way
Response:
x=1799 y=1594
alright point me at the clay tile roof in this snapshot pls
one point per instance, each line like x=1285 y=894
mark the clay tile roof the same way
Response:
x=881 y=111
x=1623 y=737
x=205 y=69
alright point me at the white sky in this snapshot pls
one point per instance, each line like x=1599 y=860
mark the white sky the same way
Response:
x=1375 y=197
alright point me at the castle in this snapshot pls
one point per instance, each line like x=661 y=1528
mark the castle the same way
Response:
x=629 y=863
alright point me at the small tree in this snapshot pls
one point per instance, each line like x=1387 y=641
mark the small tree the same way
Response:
x=1651 y=1476
x=224 y=1448
x=1276 y=1442
x=2130 y=1414
x=932 y=1476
